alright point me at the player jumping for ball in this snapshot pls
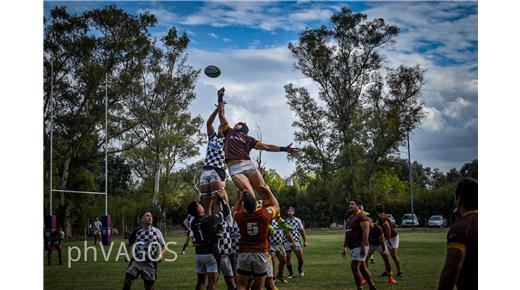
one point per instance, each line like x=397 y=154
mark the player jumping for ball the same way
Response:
x=237 y=147
x=212 y=179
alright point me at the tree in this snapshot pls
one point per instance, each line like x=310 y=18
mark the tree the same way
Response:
x=169 y=135
x=470 y=169
x=390 y=115
x=364 y=116
x=81 y=50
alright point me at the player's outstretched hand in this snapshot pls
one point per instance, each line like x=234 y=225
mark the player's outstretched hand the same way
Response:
x=221 y=92
x=292 y=150
x=305 y=244
x=344 y=253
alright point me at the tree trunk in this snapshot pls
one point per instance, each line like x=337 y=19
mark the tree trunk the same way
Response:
x=64 y=207
x=156 y=201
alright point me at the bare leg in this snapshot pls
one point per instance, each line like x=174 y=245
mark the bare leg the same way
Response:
x=386 y=259
x=201 y=280
x=256 y=180
x=205 y=200
x=370 y=253
x=354 y=266
x=299 y=255
x=366 y=274
x=281 y=259
x=127 y=285
x=258 y=283
x=242 y=183
x=289 y=263
x=396 y=259
x=230 y=282
x=212 y=281
x=269 y=283
x=242 y=282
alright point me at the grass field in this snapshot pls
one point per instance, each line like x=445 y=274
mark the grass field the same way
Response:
x=422 y=255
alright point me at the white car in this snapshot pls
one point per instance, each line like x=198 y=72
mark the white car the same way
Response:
x=437 y=221
x=409 y=220
x=391 y=218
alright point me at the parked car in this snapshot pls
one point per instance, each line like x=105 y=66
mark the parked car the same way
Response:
x=437 y=221
x=409 y=220
x=391 y=218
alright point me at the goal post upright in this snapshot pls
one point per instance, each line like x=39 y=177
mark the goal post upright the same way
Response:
x=106 y=144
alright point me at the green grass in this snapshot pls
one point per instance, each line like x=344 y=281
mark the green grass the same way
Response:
x=422 y=255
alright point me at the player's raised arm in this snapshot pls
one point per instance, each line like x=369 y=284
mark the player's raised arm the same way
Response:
x=221 y=111
x=271 y=200
x=275 y=148
x=209 y=124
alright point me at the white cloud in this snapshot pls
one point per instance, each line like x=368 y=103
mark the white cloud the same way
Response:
x=433 y=120
x=454 y=109
x=265 y=15
x=164 y=17
x=311 y=15
x=213 y=35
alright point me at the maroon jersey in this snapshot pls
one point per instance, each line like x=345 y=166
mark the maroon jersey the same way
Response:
x=373 y=237
x=354 y=231
x=254 y=230
x=381 y=220
x=237 y=145
x=463 y=235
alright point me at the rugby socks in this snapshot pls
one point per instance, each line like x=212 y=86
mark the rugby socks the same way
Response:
x=289 y=268
x=300 y=267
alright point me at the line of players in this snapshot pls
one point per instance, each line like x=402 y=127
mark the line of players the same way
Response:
x=363 y=237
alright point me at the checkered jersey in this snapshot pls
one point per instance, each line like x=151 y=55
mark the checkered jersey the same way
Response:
x=215 y=152
x=296 y=224
x=145 y=241
x=226 y=243
x=278 y=236
x=187 y=223
x=235 y=238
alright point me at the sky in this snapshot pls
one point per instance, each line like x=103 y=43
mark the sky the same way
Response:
x=248 y=42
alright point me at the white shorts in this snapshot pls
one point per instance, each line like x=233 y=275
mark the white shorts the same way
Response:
x=356 y=254
x=270 y=270
x=289 y=247
x=208 y=263
x=277 y=248
x=208 y=176
x=225 y=266
x=253 y=264
x=378 y=248
x=242 y=167
x=145 y=269
x=393 y=243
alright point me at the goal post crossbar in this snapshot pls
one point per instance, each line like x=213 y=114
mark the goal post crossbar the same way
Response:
x=78 y=191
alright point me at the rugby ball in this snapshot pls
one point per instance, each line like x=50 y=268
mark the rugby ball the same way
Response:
x=212 y=71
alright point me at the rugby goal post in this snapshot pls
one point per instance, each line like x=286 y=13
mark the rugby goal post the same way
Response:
x=106 y=220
